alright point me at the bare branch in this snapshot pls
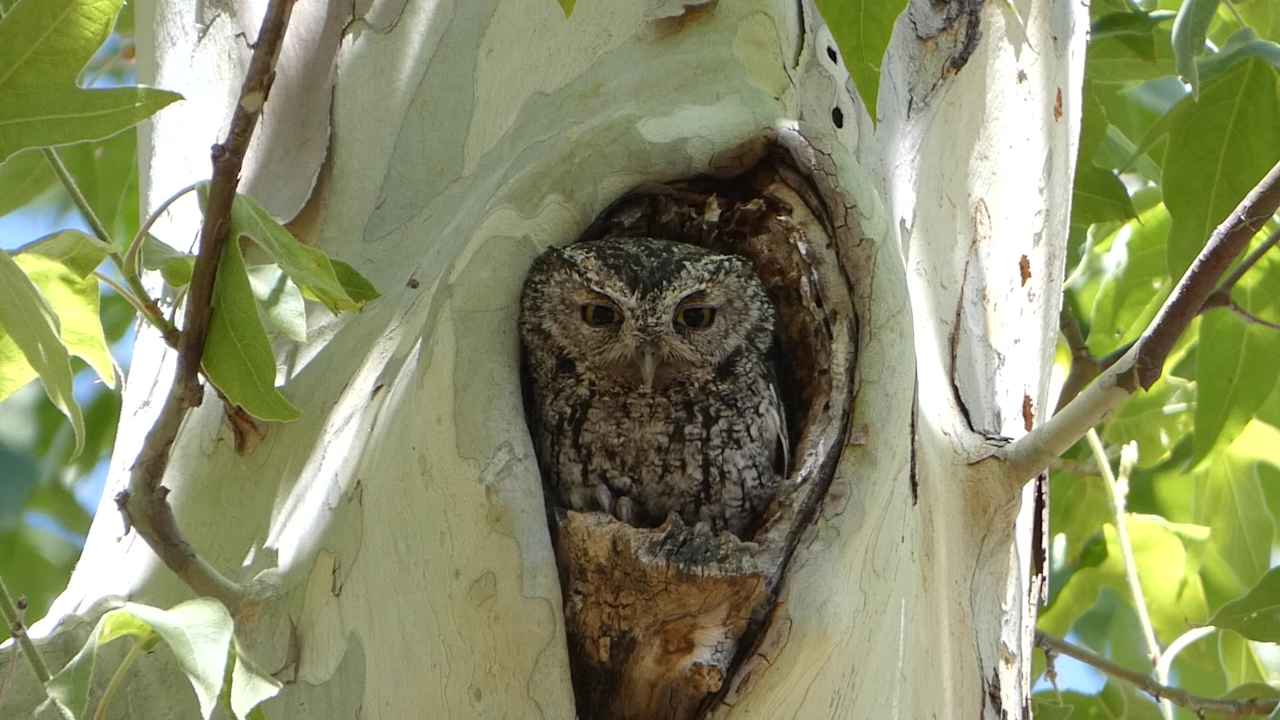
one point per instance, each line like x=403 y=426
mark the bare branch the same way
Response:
x=145 y=504
x=1235 y=708
x=1143 y=363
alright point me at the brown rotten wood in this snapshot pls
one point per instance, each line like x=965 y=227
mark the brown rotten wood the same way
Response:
x=1142 y=364
x=145 y=504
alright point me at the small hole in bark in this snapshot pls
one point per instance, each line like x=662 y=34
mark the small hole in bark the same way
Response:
x=837 y=117
x=660 y=618
x=831 y=53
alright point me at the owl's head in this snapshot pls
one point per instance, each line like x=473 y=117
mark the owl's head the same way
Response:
x=641 y=313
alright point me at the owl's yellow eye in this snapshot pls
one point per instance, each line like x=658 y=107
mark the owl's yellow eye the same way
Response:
x=600 y=315
x=696 y=317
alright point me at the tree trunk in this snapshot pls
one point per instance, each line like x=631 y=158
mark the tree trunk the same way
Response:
x=396 y=534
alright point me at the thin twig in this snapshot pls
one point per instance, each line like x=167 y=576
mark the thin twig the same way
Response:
x=13 y=618
x=1250 y=317
x=1118 y=488
x=1195 y=703
x=145 y=504
x=77 y=197
x=1143 y=363
x=1247 y=264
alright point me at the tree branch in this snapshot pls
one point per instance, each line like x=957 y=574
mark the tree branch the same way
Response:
x=1235 y=708
x=145 y=504
x=1143 y=363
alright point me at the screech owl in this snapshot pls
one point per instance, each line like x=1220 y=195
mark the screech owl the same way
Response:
x=652 y=385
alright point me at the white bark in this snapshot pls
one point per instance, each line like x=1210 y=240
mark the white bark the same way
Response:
x=402 y=518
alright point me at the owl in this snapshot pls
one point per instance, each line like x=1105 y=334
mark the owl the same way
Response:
x=651 y=383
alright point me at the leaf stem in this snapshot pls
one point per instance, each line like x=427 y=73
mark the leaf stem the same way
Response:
x=1196 y=703
x=1119 y=490
x=133 y=256
x=117 y=679
x=13 y=618
x=77 y=197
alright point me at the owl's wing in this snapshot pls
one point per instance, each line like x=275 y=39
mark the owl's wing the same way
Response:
x=778 y=418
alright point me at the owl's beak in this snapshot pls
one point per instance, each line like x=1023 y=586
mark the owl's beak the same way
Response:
x=648 y=366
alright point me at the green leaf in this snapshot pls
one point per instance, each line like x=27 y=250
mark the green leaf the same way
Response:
x=862 y=29
x=23 y=178
x=309 y=268
x=1240 y=47
x=1099 y=196
x=174 y=266
x=1256 y=614
x=107 y=174
x=27 y=319
x=43 y=46
x=81 y=253
x=1130 y=294
x=1218 y=150
x=1167 y=554
x=237 y=356
x=199 y=633
x=73 y=297
x=1228 y=497
x=280 y=301
x=1156 y=420
x=1235 y=372
x=360 y=289
x=1190 y=28
x=1241 y=665
x=567 y=6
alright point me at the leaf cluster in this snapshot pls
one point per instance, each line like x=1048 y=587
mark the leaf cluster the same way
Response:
x=1181 y=118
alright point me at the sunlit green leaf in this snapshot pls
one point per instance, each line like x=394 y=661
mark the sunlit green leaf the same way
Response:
x=1166 y=553
x=567 y=6
x=1156 y=420
x=43 y=46
x=237 y=356
x=1228 y=498
x=74 y=299
x=1241 y=665
x=27 y=319
x=1218 y=150
x=862 y=29
x=1235 y=372
x=1137 y=281
x=1256 y=614
x=1189 y=31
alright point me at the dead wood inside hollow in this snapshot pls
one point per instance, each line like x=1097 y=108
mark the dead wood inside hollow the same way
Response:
x=659 y=619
